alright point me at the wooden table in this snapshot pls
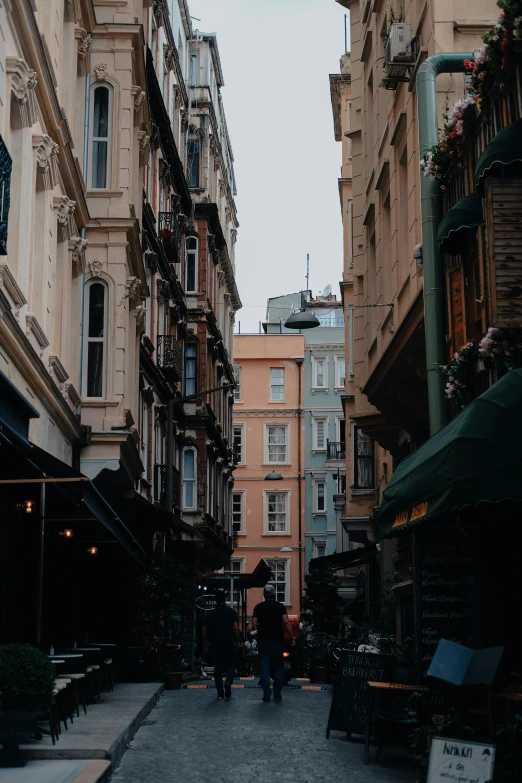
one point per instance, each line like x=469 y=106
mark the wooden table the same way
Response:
x=372 y=689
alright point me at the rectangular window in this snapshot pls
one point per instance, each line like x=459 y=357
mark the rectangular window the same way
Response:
x=319 y=373
x=319 y=548
x=239 y=443
x=190 y=368
x=276 y=512
x=277 y=384
x=363 y=460
x=319 y=426
x=189 y=479
x=100 y=136
x=237 y=379
x=95 y=344
x=191 y=264
x=320 y=496
x=277 y=444
x=194 y=75
x=193 y=163
x=340 y=372
x=279 y=579
x=238 y=512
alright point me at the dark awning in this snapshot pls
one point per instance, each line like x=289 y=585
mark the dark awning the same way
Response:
x=27 y=461
x=475 y=458
x=353 y=557
x=258 y=578
x=466 y=214
x=503 y=155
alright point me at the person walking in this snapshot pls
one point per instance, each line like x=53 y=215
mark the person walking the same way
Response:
x=271 y=620
x=221 y=631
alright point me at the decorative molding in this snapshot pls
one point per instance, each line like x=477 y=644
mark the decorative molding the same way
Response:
x=64 y=213
x=78 y=246
x=57 y=371
x=139 y=97
x=32 y=327
x=233 y=235
x=144 y=141
x=23 y=84
x=184 y=119
x=176 y=89
x=83 y=45
x=221 y=277
x=222 y=188
x=160 y=11
x=47 y=159
x=132 y=288
x=101 y=72
x=8 y=282
x=70 y=395
x=139 y=314
x=95 y=267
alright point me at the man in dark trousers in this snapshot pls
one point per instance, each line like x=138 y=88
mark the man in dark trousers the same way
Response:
x=221 y=630
x=271 y=620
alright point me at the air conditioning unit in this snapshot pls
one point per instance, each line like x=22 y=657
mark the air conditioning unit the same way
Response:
x=400 y=54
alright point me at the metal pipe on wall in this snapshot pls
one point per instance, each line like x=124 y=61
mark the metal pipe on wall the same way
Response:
x=299 y=362
x=87 y=112
x=432 y=263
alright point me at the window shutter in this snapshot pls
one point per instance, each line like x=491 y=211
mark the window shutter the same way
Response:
x=504 y=251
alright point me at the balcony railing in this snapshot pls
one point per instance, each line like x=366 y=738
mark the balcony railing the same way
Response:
x=170 y=236
x=5 y=185
x=169 y=357
x=160 y=486
x=341 y=482
x=336 y=450
x=217 y=529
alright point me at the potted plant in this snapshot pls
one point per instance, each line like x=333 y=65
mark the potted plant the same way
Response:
x=317 y=657
x=26 y=687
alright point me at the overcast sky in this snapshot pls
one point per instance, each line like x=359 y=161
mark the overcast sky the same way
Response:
x=276 y=57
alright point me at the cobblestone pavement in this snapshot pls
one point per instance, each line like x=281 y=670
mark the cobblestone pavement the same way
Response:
x=190 y=737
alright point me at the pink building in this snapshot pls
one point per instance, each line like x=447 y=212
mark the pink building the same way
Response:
x=268 y=514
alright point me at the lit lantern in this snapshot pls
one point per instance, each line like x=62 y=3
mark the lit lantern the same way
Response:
x=28 y=506
x=68 y=533
x=93 y=550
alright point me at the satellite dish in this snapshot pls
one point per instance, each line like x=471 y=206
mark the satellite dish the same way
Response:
x=328 y=290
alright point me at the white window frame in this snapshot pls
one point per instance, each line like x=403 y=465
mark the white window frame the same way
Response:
x=338 y=360
x=242 y=565
x=277 y=385
x=287 y=460
x=87 y=340
x=316 y=482
x=92 y=138
x=286 y=561
x=315 y=364
x=288 y=494
x=237 y=378
x=315 y=428
x=242 y=427
x=318 y=544
x=242 y=492
x=193 y=480
x=195 y=252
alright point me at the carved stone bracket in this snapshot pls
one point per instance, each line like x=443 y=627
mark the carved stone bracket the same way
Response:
x=23 y=83
x=213 y=145
x=221 y=277
x=228 y=214
x=183 y=222
x=160 y=11
x=217 y=162
x=64 y=214
x=83 y=44
x=222 y=189
x=47 y=159
x=78 y=247
x=70 y=395
x=139 y=97
x=8 y=282
x=164 y=173
x=95 y=267
x=233 y=235
x=144 y=141
x=177 y=96
x=139 y=314
x=164 y=289
x=227 y=297
x=151 y=259
x=32 y=327
x=155 y=137
x=57 y=371
x=132 y=288
x=170 y=60
x=101 y=72
x=184 y=119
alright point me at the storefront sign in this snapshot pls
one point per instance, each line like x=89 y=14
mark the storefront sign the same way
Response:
x=455 y=761
x=417 y=512
x=206 y=602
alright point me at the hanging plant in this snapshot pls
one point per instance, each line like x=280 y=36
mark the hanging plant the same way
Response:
x=502 y=347
x=459 y=373
x=441 y=161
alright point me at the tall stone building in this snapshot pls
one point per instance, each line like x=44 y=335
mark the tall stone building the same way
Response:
x=117 y=294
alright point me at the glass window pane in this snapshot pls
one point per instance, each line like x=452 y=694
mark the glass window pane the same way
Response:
x=189 y=494
x=95 y=370
x=96 y=309
x=188 y=464
x=99 y=164
x=191 y=271
x=101 y=113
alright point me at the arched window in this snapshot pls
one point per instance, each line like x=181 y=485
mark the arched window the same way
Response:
x=191 y=264
x=95 y=341
x=189 y=479
x=100 y=137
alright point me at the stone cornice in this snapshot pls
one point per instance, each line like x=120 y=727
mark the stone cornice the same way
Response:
x=264 y=413
x=33 y=327
x=8 y=282
x=22 y=353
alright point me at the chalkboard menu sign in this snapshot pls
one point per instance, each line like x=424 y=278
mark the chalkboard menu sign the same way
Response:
x=445 y=592
x=349 y=701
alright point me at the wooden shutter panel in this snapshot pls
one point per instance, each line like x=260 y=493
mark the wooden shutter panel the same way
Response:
x=457 y=308
x=504 y=251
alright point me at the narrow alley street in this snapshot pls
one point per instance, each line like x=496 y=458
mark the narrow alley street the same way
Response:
x=190 y=736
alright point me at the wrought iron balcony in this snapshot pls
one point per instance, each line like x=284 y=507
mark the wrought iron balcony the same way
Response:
x=5 y=185
x=169 y=357
x=219 y=532
x=341 y=482
x=160 y=486
x=335 y=450
x=170 y=236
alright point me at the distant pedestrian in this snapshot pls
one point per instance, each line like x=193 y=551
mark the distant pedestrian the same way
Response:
x=271 y=620
x=221 y=631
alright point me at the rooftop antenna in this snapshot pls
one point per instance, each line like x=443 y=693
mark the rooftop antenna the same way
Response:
x=307 y=270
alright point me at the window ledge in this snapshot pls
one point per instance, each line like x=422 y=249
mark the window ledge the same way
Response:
x=94 y=402
x=319 y=388
x=362 y=493
x=319 y=513
x=277 y=464
x=319 y=451
x=102 y=193
x=268 y=535
x=275 y=402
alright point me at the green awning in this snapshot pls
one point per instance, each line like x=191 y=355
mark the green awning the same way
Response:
x=466 y=214
x=504 y=150
x=475 y=458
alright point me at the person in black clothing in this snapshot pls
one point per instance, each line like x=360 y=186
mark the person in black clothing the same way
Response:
x=221 y=631
x=271 y=620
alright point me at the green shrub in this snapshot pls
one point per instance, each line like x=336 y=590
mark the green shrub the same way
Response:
x=26 y=677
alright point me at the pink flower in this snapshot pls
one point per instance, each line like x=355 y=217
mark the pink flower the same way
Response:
x=468 y=65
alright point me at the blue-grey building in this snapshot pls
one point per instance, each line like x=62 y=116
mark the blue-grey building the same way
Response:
x=324 y=425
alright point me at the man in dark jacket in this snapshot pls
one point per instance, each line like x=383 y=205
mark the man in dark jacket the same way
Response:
x=221 y=631
x=271 y=620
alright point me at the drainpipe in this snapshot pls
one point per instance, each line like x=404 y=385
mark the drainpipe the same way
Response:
x=87 y=112
x=299 y=362
x=433 y=271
